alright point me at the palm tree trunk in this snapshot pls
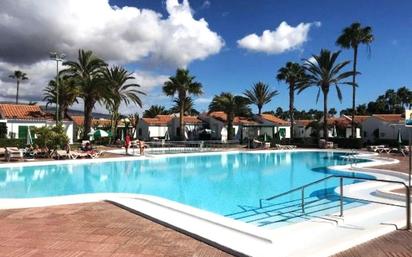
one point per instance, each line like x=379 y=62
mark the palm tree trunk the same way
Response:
x=62 y=112
x=88 y=116
x=17 y=93
x=229 y=126
x=355 y=59
x=325 y=115
x=181 y=122
x=259 y=109
x=291 y=108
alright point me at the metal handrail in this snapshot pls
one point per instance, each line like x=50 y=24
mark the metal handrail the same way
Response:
x=341 y=178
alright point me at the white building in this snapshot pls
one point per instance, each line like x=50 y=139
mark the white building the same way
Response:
x=154 y=128
x=383 y=126
x=192 y=127
x=272 y=124
x=20 y=117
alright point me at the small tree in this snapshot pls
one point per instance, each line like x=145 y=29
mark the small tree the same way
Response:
x=51 y=137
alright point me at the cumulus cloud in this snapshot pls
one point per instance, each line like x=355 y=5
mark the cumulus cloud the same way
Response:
x=30 y=29
x=283 y=38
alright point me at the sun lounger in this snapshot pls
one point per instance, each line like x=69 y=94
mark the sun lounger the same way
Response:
x=94 y=154
x=405 y=150
x=13 y=153
x=60 y=154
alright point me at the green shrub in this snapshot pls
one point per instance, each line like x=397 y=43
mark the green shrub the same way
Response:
x=9 y=142
x=52 y=137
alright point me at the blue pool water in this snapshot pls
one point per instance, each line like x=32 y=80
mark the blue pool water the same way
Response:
x=220 y=183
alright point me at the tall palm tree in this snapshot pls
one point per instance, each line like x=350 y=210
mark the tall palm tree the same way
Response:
x=352 y=37
x=188 y=106
x=260 y=94
x=323 y=72
x=18 y=76
x=232 y=106
x=182 y=85
x=68 y=94
x=87 y=72
x=293 y=74
x=116 y=78
x=154 y=110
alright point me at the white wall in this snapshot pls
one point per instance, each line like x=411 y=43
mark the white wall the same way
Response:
x=150 y=131
x=387 y=130
x=13 y=126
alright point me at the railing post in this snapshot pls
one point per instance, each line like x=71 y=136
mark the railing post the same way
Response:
x=341 y=196
x=408 y=208
x=303 y=200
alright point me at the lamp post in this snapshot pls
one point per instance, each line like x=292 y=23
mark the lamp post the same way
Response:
x=58 y=57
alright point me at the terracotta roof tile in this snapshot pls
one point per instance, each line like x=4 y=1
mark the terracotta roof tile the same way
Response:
x=158 y=120
x=192 y=120
x=274 y=119
x=23 y=112
x=303 y=122
x=79 y=121
x=237 y=120
x=389 y=117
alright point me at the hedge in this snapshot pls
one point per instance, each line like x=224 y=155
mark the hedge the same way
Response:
x=8 y=142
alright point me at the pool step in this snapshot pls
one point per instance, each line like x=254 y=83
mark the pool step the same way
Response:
x=274 y=215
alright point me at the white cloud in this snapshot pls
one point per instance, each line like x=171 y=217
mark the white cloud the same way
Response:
x=30 y=29
x=283 y=38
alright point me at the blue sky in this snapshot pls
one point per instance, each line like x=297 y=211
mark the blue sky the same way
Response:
x=235 y=69
x=154 y=37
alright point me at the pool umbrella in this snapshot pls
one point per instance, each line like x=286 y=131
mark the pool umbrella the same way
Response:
x=399 y=137
x=122 y=136
x=29 y=138
x=334 y=132
x=167 y=136
x=98 y=133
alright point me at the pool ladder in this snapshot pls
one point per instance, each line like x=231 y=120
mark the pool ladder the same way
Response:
x=341 y=195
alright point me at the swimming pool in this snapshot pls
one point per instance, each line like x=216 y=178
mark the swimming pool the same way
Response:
x=228 y=184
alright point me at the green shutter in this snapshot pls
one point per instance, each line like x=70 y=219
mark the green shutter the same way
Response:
x=23 y=131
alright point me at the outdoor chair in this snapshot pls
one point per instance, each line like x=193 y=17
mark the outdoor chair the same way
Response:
x=60 y=154
x=13 y=153
x=405 y=150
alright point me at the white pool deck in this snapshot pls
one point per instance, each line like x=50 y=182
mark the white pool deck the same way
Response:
x=315 y=237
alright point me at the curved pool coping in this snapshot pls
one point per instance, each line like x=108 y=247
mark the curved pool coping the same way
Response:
x=177 y=214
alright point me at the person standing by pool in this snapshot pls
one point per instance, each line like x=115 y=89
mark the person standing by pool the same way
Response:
x=141 y=147
x=127 y=142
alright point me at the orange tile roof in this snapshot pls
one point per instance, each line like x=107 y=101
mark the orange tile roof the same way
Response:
x=219 y=116
x=79 y=121
x=303 y=122
x=191 y=120
x=360 y=118
x=237 y=120
x=23 y=112
x=158 y=120
x=274 y=119
x=389 y=117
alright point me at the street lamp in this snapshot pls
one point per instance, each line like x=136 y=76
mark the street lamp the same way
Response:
x=58 y=57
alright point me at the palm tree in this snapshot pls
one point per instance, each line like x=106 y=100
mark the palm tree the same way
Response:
x=68 y=94
x=323 y=72
x=18 y=76
x=182 y=85
x=294 y=75
x=232 y=106
x=116 y=78
x=87 y=73
x=260 y=95
x=188 y=106
x=154 y=110
x=352 y=37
